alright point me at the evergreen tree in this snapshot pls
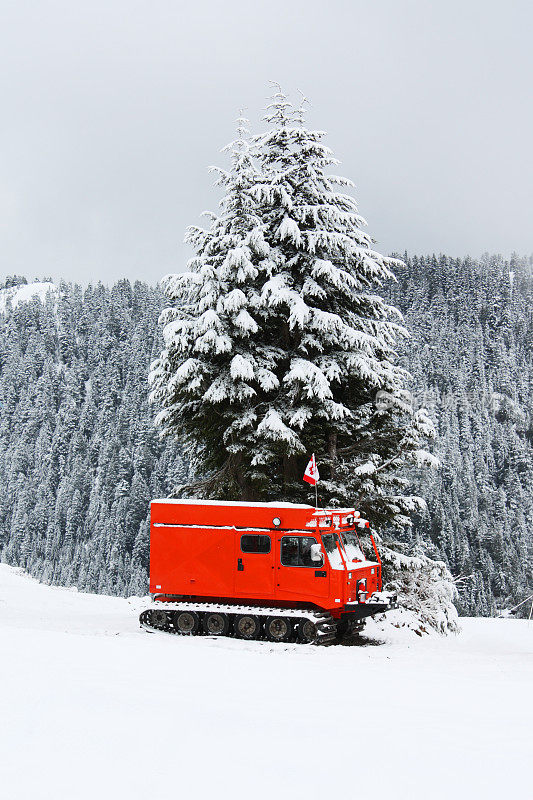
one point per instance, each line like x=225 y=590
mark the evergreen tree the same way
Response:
x=276 y=345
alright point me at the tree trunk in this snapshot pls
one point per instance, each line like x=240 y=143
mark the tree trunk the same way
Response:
x=290 y=469
x=332 y=450
x=238 y=472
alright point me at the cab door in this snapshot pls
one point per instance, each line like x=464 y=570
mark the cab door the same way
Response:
x=298 y=577
x=254 y=565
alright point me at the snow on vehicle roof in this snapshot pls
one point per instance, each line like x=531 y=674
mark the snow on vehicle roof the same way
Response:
x=317 y=512
x=195 y=501
x=320 y=511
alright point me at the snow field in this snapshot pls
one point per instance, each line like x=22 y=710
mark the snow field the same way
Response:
x=23 y=293
x=94 y=707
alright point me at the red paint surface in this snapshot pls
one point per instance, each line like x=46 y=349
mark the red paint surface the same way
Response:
x=202 y=562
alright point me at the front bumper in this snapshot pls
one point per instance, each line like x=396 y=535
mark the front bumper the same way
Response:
x=377 y=603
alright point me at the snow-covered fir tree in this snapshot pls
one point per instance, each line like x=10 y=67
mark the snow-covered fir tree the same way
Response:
x=277 y=346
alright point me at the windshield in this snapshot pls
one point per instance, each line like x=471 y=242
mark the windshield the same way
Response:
x=352 y=546
x=330 y=541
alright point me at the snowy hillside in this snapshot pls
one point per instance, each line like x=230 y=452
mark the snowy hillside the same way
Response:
x=25 y=292
x=94 y=707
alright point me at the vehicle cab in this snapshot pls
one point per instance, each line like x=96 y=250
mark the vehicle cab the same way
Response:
x=353 y=576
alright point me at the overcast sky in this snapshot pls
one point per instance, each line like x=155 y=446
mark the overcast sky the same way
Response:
x=112 y=111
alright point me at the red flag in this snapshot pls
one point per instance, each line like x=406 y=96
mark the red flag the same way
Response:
x=311 y=474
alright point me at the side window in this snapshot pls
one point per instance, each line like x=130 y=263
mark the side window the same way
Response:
x=255 y=544
x=296 y=551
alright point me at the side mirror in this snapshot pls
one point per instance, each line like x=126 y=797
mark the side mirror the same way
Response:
x=316 y=553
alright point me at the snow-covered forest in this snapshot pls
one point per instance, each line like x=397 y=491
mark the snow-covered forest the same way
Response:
x=471 y=357
x=80 y=457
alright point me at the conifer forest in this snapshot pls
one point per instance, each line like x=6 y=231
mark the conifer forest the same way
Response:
x=80 y=457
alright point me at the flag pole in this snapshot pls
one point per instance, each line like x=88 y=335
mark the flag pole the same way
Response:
x=311 y=476
x=316 y=482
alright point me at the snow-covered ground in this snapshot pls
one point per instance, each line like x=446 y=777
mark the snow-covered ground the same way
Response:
x=93 y=707
x=24 y=293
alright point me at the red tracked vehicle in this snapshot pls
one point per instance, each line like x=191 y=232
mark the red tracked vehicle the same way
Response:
x=276 y=571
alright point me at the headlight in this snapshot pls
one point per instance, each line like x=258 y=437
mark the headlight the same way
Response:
x=361 y=590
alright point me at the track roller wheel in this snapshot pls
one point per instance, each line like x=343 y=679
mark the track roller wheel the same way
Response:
x=215 y=624
x=278 y=629
x=158 y=618
x=307 y=632
x=186 y=622
x=247 y=626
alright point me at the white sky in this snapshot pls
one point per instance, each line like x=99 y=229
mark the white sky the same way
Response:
x=112 y=111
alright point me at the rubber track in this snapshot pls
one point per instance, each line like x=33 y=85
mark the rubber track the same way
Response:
x=325 y=624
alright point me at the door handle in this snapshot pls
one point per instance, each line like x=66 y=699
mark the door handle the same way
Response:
x=240 y=565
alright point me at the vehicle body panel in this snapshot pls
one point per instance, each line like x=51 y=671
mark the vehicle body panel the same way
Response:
x=196 y=551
